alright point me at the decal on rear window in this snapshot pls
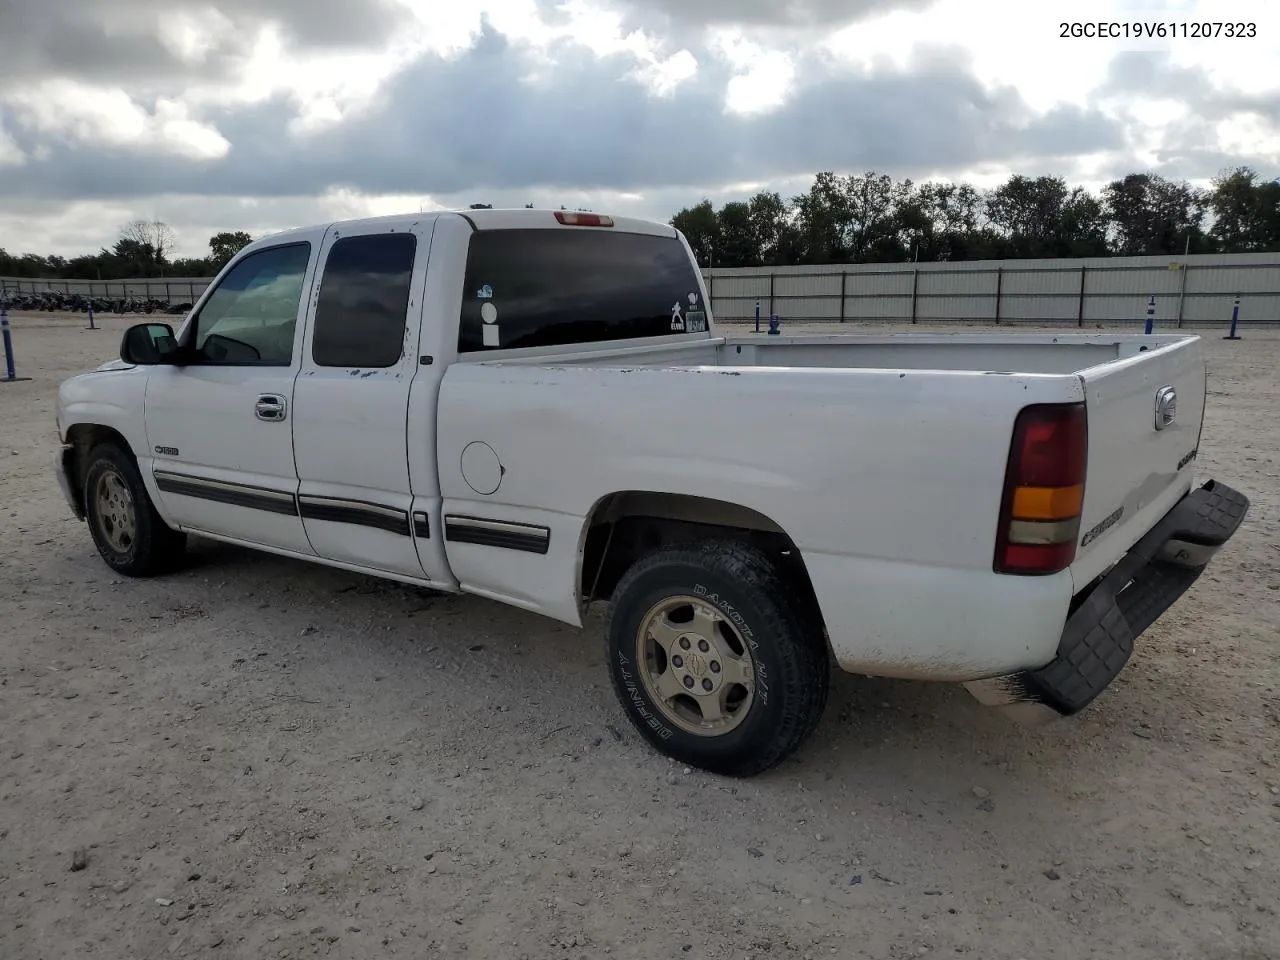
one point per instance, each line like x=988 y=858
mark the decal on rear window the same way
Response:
x=567 y=286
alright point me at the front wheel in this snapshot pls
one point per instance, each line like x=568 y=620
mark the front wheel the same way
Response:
x=716 y=657
x=128 y=532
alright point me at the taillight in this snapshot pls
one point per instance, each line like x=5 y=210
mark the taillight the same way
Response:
x=576 y=219
x=1043 y=490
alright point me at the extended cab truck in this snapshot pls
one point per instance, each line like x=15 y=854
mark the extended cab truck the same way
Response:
x=536 y=407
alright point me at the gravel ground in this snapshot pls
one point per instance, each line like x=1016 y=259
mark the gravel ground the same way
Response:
x=263 y=758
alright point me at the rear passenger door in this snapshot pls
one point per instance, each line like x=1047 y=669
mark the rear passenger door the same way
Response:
x=359 y=358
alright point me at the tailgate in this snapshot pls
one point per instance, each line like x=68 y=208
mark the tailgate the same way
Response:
x=1142 y=445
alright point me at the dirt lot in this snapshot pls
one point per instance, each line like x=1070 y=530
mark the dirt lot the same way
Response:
x=263 y=758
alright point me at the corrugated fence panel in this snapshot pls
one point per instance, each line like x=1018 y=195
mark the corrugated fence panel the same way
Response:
x=1143 y=282
x=1216 y=308
x=878 y=284
x=740 y=286
x=1198 y=289
x=790 y=286
x=950 y=307
x=1233 y=280
x=1032 y=306
x=737 y=308
x=878 y=308
x=955 y=283
x=1040 y=282
x=815 y=308
x=1128 y=309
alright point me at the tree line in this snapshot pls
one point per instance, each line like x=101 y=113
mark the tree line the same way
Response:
x=144 y=249
x=857 y=218
x=872 y=218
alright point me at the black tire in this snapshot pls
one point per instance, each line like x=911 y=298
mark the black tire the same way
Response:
x=764 y=607
x=152 y=547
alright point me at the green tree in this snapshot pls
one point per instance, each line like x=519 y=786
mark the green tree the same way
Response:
x=1151 y=215
x=1246 y=212
x=739 y=242
x=771 y=221
x=701 y=227
x=223 y=246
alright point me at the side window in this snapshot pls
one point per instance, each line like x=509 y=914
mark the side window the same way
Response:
x=250 y=317
x=534 y=288
x=364 y=296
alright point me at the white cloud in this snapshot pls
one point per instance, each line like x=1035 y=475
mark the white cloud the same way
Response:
x=10 y=153
x=759 y=70
x=94 y=115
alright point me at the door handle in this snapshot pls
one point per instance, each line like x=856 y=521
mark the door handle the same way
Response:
x=270 y=406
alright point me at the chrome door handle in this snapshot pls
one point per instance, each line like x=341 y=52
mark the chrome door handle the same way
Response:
x=270 y=406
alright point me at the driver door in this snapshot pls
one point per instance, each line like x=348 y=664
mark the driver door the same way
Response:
x=220 y=427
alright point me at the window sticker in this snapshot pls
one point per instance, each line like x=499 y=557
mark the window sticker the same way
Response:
x=489 y=314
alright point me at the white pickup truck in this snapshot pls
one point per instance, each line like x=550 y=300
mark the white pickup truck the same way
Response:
x=535 y=407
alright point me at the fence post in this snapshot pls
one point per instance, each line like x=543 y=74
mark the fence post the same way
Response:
x=1235 y=318
x=1080 y=305
x=771 y=307
x=844 y=276
x=1182 y=291
x=915 y=286
x=1151 y=313
x=999 y=290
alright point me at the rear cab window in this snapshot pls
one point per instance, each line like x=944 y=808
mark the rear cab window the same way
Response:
x=363 y=301
x=552 y=287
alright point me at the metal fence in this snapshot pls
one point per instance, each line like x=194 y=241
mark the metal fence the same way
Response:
x=1195 y=290
x=170 y=289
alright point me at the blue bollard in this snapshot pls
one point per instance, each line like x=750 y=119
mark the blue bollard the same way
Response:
x=1235 y=318
x=10 y=374
x=91 y=326
x=1151 y=313
x=757 y=316
x=773 y=325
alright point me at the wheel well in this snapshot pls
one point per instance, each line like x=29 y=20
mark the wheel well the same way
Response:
x=625 y=526
x=83 y=437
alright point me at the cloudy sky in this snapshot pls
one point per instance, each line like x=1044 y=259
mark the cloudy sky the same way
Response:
x=264 y=114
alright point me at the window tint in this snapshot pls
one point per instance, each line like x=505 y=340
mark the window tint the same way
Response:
x=532 y=288
x=364 y=296
x=250 y=317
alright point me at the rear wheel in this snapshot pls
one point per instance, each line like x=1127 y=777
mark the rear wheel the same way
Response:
x=127 y=530
x=716 y=657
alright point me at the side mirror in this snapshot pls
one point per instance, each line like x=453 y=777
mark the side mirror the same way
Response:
x=147 y=344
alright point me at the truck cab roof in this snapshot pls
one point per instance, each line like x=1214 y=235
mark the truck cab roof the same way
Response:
x=515 y=218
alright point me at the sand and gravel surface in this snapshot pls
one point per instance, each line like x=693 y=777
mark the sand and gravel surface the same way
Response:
x=262 y=758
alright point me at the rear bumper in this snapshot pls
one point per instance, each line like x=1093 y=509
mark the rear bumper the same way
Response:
x=1098 y=637
x=63 y=462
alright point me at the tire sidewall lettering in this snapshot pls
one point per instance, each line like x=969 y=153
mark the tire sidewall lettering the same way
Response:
x=639 y=701
x=744 y=628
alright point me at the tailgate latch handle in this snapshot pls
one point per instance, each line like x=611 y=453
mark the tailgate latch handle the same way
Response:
x=1166 y=406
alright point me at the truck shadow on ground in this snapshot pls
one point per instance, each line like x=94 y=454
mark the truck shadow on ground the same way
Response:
x=904 y=735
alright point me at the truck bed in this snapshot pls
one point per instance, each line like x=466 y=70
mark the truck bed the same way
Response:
x=986 y=353
x=882 y=456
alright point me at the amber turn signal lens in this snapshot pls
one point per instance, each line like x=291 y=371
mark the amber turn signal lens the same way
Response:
x=1048 y=503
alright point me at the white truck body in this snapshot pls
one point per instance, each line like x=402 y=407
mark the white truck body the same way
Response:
x=465 y=460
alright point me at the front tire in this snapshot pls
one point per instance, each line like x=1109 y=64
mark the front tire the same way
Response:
x=718 y=659
x=127 y=530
